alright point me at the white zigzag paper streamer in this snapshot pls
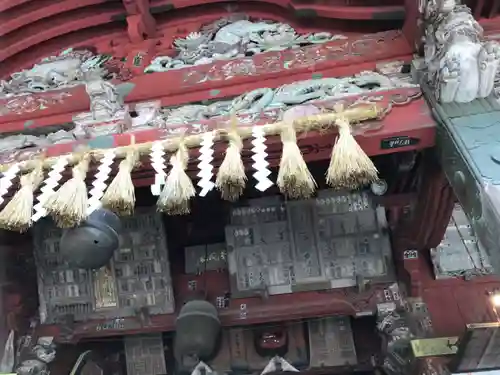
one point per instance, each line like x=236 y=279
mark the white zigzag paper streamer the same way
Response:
x=202 y=368
x=49 y=185
x=6 y=180
x=259 y=156
x=99 y=183
x=278 y=364
x=158 y=164
x=205 y=164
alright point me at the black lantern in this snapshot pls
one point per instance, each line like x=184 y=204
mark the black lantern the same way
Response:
x=91 y=245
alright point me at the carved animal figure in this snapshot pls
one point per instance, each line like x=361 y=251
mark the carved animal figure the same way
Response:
x=55 y=72
x=461 y=66
x=104 y=98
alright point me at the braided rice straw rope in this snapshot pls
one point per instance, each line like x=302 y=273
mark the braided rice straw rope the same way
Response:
x=320 y=122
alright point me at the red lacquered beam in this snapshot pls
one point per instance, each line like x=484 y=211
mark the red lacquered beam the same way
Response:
x=46 y=29
x=33 y=12
x=382 y=12
x=221 y=79
x=345 y=301
x=7 y=4
x=310 y=10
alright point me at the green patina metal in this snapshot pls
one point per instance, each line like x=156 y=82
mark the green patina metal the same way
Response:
x=468 y=146
x=102 y=142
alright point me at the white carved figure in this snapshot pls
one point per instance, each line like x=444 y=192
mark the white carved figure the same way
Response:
x=105 y=101
x=461 y=65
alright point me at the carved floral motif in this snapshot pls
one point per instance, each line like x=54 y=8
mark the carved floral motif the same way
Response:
x=235 y=37
x=29 y=103
x=461 y=66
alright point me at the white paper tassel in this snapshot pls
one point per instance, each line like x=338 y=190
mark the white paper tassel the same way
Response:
x=259 y=156
x=158 y=163
x=205 y=165
x=6 y=180
x=99 y=183
x=49 y=185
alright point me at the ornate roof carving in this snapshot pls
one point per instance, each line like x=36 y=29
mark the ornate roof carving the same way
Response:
x=233 y=37
x=264 y=104
x=65 y=70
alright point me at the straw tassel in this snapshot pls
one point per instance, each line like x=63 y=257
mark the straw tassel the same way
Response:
x=178 y=190
x=120 y=195
x=294 y=179
x=16 y=215
x=349 y=167
x=68 y=205
x=231 y=178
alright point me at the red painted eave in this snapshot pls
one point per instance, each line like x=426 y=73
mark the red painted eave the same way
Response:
x=45 y=29
x=8 y=4
x=35 y=11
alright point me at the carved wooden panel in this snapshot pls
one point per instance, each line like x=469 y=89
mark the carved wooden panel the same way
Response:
x=62 y=290
x=332 y=241
x=259 y=249
x=331 y=342
x=145 y=355
x=205 y=258
x=137 y=276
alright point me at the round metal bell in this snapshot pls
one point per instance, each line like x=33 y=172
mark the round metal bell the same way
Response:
x=197 y=330
x=92 y=244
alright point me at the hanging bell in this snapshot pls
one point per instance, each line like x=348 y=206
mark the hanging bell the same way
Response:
x=197 y=330
x=92 y=244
